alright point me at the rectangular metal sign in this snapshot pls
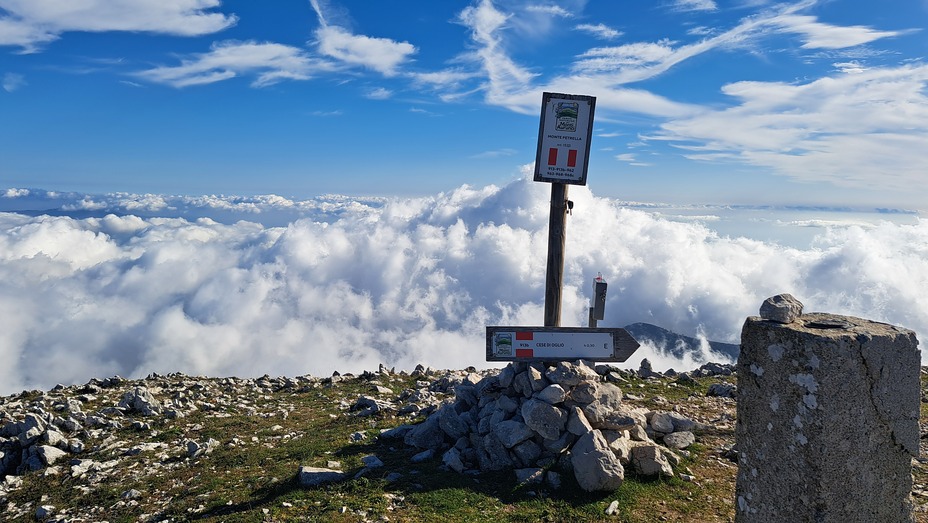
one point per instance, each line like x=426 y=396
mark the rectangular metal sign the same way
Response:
x=558 y=344
x=564 y=138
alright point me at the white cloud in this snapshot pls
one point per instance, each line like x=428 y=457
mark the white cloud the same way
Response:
x=269 y=62
x=510 y=84
x=700 y=31
x=631 y=159
x=446 y=79
x=604 y=59
x=850 y=67
x=505 y=77
x=695 y=5
x=397 y=281
x=818 y=35
x=380 y=54
x=550 y=10
x=31 y=23
x=862 y=128
x=380 y=93
x=599 y=30
x=18 y=33
x=13 y=82
x=419 y=110
x=498 y=153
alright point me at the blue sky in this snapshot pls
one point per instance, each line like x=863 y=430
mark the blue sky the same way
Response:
x=815 y=102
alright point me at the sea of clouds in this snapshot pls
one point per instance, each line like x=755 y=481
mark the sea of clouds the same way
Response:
x=93 y=286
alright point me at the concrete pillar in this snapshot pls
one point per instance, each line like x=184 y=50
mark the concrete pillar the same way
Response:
x=827 y=427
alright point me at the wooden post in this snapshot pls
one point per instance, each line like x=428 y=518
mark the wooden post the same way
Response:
x=557 y=236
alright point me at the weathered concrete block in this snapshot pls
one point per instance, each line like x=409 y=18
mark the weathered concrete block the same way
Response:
x=827 y=423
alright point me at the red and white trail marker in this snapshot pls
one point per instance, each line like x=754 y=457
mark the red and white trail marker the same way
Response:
x=553 y=153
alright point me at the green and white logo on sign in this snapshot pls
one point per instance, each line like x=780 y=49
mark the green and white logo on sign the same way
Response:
x=565 y=113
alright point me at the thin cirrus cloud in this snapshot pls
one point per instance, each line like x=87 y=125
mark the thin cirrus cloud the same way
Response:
x=612 y=68
x=508 y=83
x=380 y=93
x=271 y=62
x=602 y=31
x=268 y=62
x=134 y=284
x=857 y=128
x=818 y=35
x=13 y=82
x=31 y=24
x=695 y=5
x=638 y=54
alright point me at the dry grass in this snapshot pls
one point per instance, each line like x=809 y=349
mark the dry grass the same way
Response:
x=251 y=475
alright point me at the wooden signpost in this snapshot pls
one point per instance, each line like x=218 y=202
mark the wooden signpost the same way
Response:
x=564 y=134
x=563 y=154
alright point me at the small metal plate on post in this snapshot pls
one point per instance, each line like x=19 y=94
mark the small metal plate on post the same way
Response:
x=559 y=344
x=599 y=298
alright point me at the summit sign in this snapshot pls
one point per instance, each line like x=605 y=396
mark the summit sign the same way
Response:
x=564 y=138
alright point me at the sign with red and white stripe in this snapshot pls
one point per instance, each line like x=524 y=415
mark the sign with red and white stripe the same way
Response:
x=564 y=138
x=558 y=344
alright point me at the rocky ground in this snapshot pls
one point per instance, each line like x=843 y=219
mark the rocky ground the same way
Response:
x=343 y=448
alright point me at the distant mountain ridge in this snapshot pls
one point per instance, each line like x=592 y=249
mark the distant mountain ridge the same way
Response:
x=677 y=344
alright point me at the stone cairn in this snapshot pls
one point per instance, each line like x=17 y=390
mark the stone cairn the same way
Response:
x=533 y=419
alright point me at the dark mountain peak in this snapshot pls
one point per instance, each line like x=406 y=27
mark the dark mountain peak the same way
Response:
x=677 y=344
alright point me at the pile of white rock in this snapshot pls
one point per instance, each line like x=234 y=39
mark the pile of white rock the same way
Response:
x=536 y=419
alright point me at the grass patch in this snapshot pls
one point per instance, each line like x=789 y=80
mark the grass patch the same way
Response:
x=265 y=435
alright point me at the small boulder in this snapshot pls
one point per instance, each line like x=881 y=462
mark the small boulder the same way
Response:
x=452 y=459
x=782 y=308
x=49 y=455
x=661 y=422
x=552 y=394
x=649 y=461
x=544 y=418
x=140 y=400
x=451 y=423
x=314 y=476
x=722 y=390
x=511 y=432
x=569 y=374
x=426 y=435
x=595 y=466
x=577 y=422
x=679 y=440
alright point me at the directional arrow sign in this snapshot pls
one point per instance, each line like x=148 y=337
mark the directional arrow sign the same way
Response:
x=558 y=344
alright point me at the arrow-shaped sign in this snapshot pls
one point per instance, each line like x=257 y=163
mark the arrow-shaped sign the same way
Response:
x=558 y=344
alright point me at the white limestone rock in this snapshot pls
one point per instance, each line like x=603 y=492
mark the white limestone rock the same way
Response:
x=595 y=465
